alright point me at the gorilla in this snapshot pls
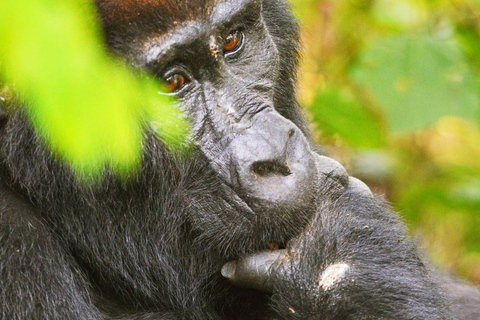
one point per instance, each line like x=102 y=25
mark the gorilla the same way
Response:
x=251 y=224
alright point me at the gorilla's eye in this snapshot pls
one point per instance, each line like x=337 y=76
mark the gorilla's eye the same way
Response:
x=233 y=42
x=174 y=83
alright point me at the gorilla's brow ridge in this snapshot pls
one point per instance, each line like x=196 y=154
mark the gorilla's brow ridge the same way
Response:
x=228 y=10
x=160 y=47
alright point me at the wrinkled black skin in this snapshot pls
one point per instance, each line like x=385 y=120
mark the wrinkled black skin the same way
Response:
x=152 y=247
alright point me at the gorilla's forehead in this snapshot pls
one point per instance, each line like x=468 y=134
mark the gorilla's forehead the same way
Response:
x=165 y=12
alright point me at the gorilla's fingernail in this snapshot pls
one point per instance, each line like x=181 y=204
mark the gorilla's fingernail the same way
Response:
x=228 y=270
x=359 y=187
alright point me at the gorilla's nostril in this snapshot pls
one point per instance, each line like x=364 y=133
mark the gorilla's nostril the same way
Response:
x=268 y=168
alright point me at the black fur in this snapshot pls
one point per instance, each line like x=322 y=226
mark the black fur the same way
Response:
x=152 y=246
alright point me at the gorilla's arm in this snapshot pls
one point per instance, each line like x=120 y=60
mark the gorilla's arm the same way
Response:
x=354 y=261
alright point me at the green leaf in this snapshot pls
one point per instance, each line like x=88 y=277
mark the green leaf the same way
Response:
x=417 y=80
x=338 y=113
x=89 y=108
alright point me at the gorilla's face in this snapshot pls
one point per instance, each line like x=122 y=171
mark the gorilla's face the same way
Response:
x=232 y=65
x=225 y=70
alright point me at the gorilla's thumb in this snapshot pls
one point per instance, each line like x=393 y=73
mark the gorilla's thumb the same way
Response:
x=259 y=271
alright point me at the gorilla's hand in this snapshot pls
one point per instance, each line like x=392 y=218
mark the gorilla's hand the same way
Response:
x=353 y=257
x=271 y=269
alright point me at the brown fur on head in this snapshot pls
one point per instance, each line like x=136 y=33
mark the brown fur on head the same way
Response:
x=164 y=14
x=125 y=11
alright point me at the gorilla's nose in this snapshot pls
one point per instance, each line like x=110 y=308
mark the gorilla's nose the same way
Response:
x=270 y=167
x=276 y=152
x=273 y=164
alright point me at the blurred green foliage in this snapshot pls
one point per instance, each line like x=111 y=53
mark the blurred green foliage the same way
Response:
x=90 y=108
x=392 y=87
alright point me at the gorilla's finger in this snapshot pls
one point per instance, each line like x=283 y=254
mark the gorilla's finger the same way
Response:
x=359 y=187
x=259 y=271
x=327 y=167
